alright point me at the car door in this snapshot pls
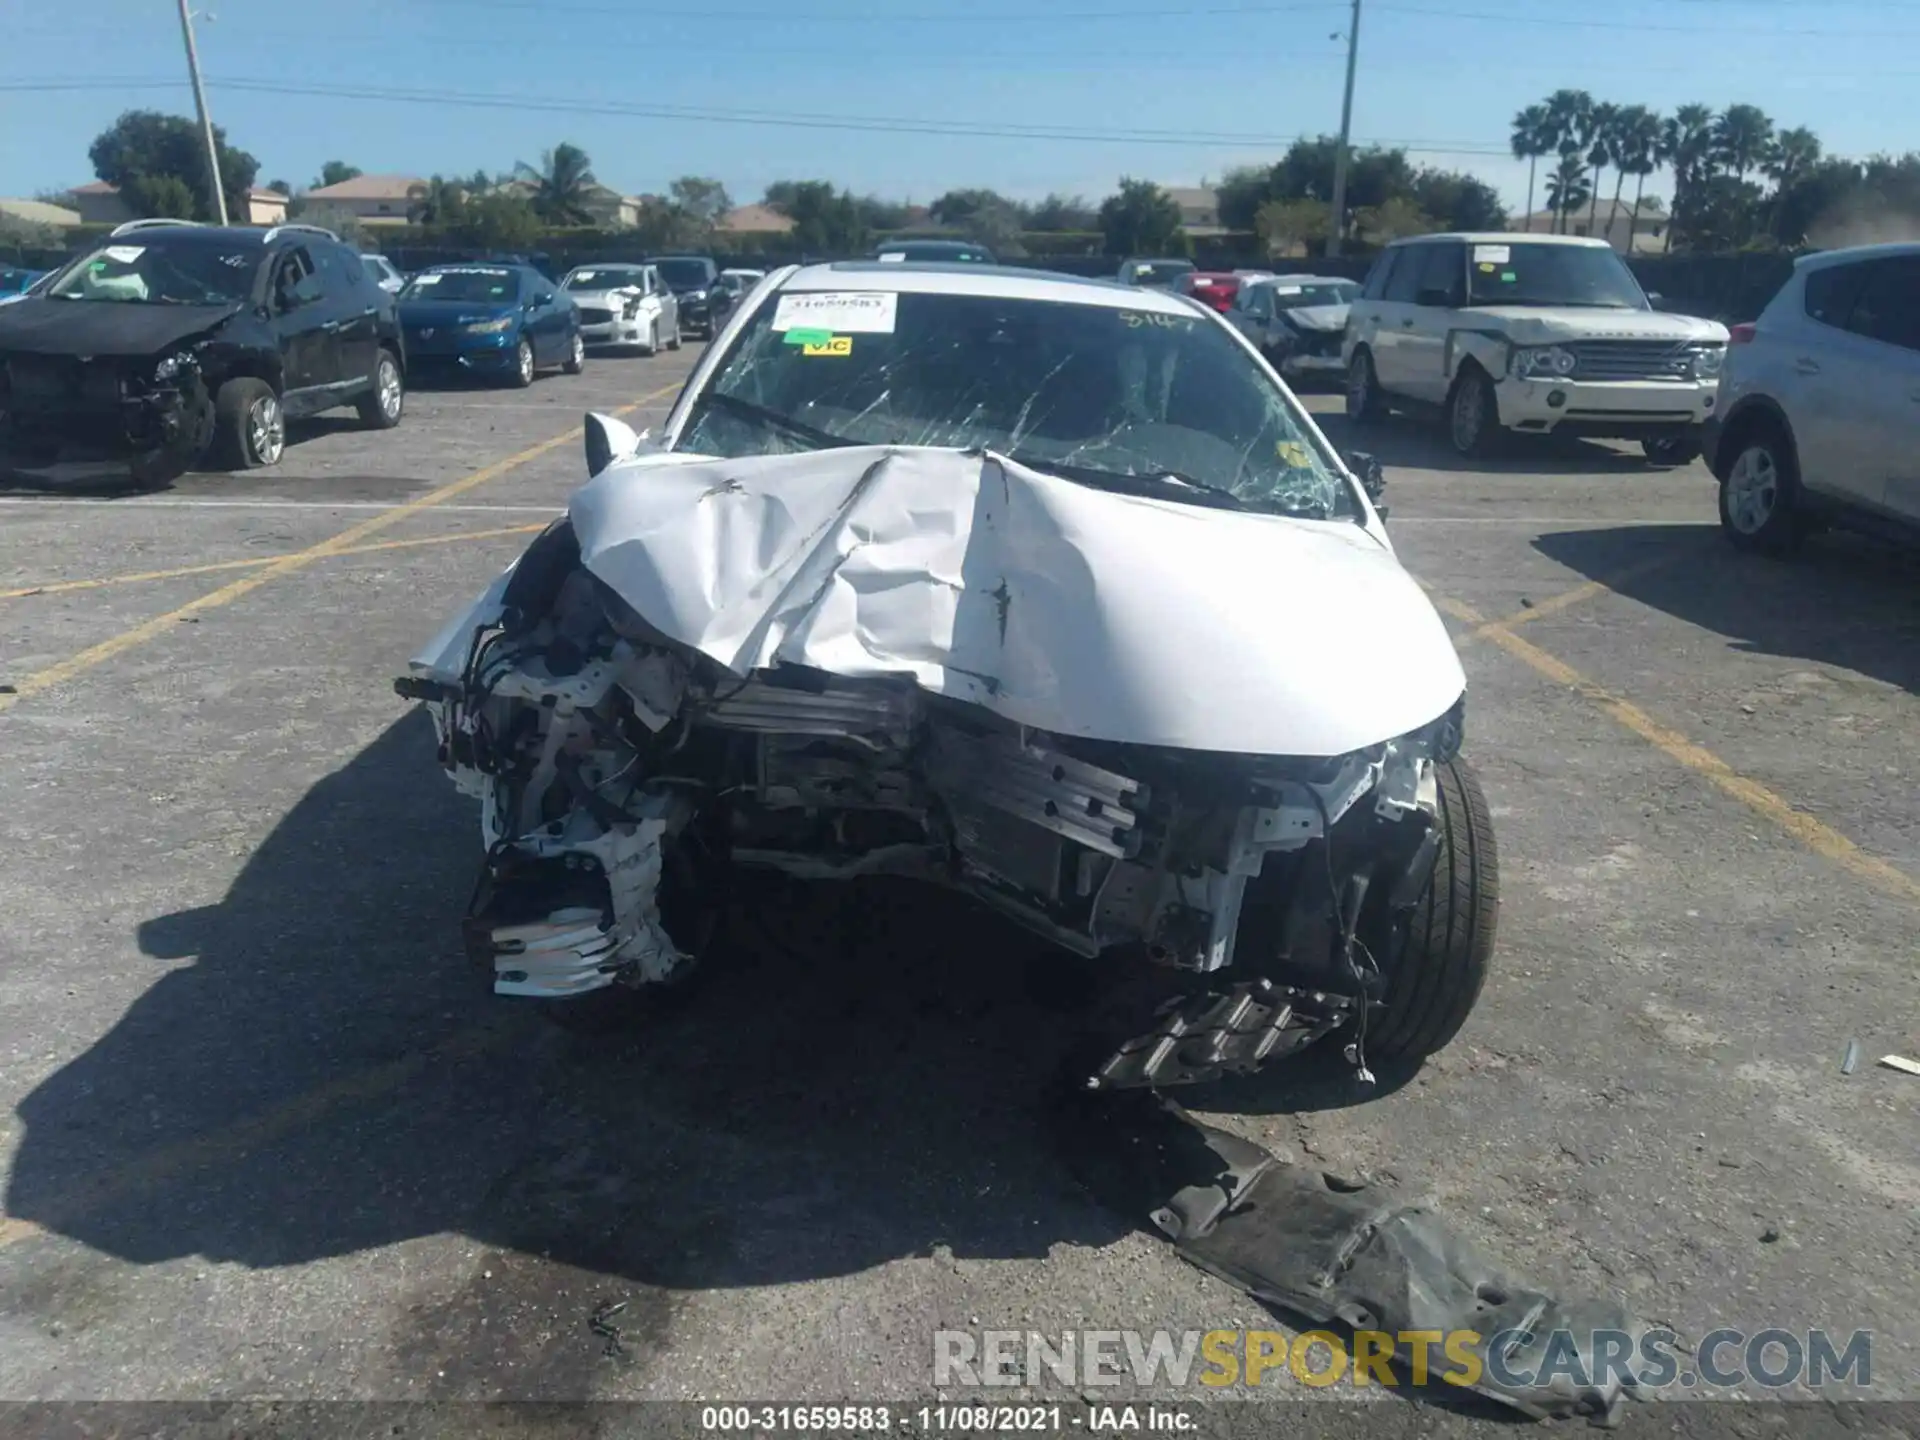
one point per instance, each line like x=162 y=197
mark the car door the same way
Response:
x=1252 y=305
x=1438 y=296
x=1815 y=367
x=353 y=309
x=669 y=303
x=309 y=353
x=545 y=322
x=1879 y=363
x=1390 y=321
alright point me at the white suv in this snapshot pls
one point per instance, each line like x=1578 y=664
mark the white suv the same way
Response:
x=1820 y=403
x=1532 y=334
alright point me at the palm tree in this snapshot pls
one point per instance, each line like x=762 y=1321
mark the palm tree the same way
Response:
x=1788 y=160
x=439 y=201
x=1601 y=123
x=1532 y=139
x=1686 y=145
x=1568 y=117
x=1741 y=138
x=560 y=185
x=1638 y=155
x=1567 y=187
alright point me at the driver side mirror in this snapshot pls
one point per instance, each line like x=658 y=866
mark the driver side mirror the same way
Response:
x=1372 y=477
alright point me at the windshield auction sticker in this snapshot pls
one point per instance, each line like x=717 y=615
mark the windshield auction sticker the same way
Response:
x=842 y=312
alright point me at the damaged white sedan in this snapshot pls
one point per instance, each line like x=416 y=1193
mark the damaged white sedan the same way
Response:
x=1040 y=588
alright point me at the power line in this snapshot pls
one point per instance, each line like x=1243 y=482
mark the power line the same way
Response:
x=790 y=119
x=1531 y=17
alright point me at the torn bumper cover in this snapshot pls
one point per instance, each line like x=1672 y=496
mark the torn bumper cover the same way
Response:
x=61 y=410
x=1339 y=1252
x=1130 y=725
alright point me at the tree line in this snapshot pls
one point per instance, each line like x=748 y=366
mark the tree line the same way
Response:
x=1739 y=181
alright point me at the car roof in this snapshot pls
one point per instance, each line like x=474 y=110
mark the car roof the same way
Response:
x=1890 y=250
x=1505 y=237
x=1302 y=280
x=1005 y=281
x=194 y=234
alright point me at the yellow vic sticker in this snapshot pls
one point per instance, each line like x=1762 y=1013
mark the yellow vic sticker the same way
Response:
x=838 y=345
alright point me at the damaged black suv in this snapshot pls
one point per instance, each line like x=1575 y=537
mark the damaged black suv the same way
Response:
x=175 y=343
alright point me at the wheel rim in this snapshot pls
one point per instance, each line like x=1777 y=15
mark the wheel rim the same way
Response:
x=1753 y=489
x=1359 y=384
x=579 y=350
x=266 y=430
x=1469 y=414
x=526 y=361
x=390 y=396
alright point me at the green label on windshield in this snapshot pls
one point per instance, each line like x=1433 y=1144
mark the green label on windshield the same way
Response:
x=807 y=337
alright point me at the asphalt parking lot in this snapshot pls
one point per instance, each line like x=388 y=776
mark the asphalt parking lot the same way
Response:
x=265 y=1134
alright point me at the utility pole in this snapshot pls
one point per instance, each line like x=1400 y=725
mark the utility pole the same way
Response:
x=206 y=121
x=1346 y=135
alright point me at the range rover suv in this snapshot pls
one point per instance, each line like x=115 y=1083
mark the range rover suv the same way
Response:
x=1532 y=335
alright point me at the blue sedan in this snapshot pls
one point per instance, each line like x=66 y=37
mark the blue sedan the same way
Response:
x=501 y=322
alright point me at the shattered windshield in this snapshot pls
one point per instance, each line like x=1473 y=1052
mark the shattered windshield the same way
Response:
x=169 y=274
x=1303 y=295
x=1583 y=275
x=1099 y=394
x=496 y=287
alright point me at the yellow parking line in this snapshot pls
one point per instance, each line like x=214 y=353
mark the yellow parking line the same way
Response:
x=63 y=587
x=57 y=674
x=1815 y=834
x=237 y=1141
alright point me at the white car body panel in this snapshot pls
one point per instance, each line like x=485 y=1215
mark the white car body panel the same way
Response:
x=1029 y=621
x=1016 y=591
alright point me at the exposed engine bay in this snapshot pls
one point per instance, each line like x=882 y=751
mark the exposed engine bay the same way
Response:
x=622 y=774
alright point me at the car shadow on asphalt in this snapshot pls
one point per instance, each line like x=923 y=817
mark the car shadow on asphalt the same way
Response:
x=118 y=485
x=1412 y=443
x=853 y=1084
x=1843 y=600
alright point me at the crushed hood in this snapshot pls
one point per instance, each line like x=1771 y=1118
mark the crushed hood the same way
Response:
x=37 y=325
x=1542 y=325
x=1050 y=603
x=1320 y=318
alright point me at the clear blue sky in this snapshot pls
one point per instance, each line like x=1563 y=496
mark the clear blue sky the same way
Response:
x=1441 y=76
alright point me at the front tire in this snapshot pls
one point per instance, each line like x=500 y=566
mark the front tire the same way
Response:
x=381 y=406
x=576 y=356
x=249 y=427
x=1760 y=509
x=523 y=366
x=1437 y=959
x=1365 y=404
x=1473 y=415
x=673 y=342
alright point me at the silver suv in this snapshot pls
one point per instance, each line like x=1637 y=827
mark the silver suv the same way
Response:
x=1819 y=413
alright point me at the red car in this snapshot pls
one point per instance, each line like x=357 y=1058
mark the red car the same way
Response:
x=1212 y=287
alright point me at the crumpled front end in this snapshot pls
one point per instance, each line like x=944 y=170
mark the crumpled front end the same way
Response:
x=150 y=415
x=621 y=767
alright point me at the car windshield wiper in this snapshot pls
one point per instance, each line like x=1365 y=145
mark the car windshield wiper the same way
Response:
x=1157 y=483
x=774 y=420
